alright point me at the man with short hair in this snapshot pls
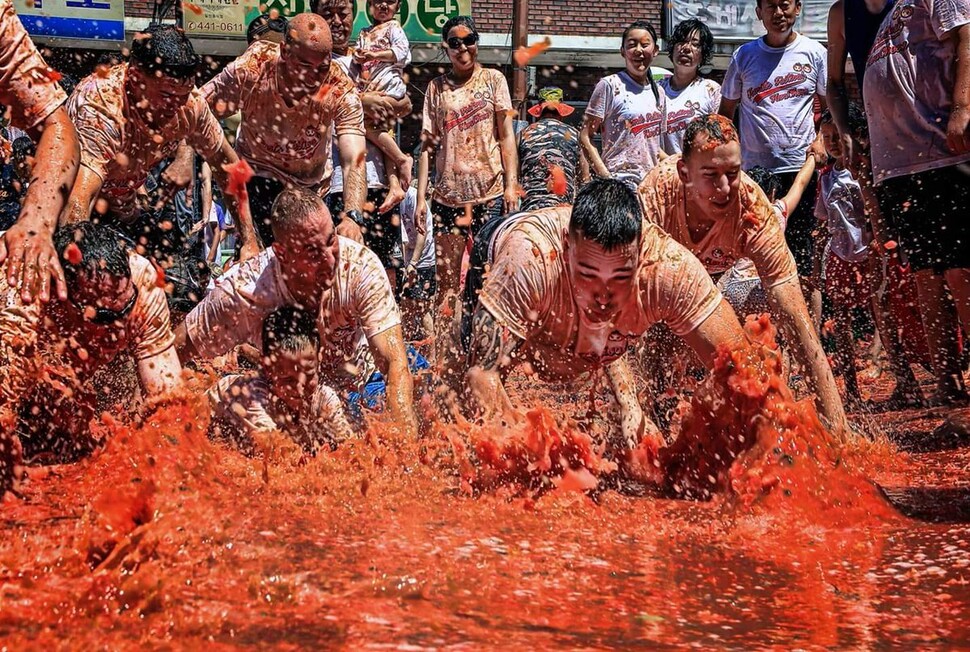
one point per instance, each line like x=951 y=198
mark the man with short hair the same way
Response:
x=295 y=100
x=549 y=154
x=570 y=289
x=50 y=352
x=777 y=80
x=339 y=280
x=284 y=395
x=706 y=203
x=131 y=117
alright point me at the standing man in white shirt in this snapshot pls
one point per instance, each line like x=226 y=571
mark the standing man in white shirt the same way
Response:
x=776 y=80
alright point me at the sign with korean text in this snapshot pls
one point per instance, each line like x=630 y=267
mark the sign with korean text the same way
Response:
x=74 y=19
x=422 y=20
x=230 y=18
x=735 y=20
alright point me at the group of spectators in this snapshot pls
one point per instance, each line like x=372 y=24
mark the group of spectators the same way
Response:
x=555 y=246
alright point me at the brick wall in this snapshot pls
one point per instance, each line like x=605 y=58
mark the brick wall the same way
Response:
x=568 y=17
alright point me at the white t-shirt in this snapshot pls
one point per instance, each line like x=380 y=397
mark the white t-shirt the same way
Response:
x=633 y=124
x=840 y=204
x=374 y=163
x=701 y=97
x=242 y=405
x=909 y=84
x=359 y=305
x=409 y=231
x=777 y=88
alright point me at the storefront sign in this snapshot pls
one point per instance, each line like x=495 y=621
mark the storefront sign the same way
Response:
x=735 y=20
x=422 y=19
x=74 y=19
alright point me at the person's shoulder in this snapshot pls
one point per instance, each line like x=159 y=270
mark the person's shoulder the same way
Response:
x=659 y=249
x=103 y=86
x=747 y=50
x=355 y=258
x=493 y=76
x=340 y=81
x=709 y=84
x=756 y=208
x=257 y=58
x=144 y=275
x=663 y=175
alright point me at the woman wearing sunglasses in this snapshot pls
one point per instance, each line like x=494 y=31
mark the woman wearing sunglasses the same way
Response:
x=468 y=126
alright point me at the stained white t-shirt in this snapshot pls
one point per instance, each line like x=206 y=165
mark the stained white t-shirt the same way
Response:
x=701 y=97
x=777 y=88
x=910 y=76
x=633 y=124
x=840 y=205
x=360 y=304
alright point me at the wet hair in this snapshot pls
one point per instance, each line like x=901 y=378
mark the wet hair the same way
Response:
x=643 y=24
x=290 y=329
x=102 y=250
x=23 y=147
x=858 y=125
x=607 y=211
x=682 y=34
x=165 y=49
x=264 y=24
x=718 y=129
x=766 y=179
x=456 y=21
x=293 y=206
x=639 y=24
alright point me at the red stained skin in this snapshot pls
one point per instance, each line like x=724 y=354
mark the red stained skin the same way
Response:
x=73 y=255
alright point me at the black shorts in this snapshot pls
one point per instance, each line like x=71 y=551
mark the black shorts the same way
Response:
x=447 y=218
x=263 y=191
x=382 y=233
x=478 y=260
x=931 y=213
x=799 y=232
x=424 y=287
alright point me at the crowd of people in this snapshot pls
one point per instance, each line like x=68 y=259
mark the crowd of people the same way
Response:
x=680 y=207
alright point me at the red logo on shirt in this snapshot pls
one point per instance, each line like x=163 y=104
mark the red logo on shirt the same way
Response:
x=468 y=116
x=648 y=125
x=678 y=120
x=884 y=46
x=783 y=87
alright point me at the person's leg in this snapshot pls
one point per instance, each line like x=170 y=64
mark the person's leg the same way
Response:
x=394 y=158
x=958 y=280
x=907 y=392
x=939 y=323
x=845 y=352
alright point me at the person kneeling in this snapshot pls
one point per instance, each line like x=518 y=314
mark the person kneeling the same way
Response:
x=51 y=351
x=284 y=395
x=569 y=289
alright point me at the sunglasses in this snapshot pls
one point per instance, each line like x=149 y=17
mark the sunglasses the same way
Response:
x=105 y=316
x=456 y=42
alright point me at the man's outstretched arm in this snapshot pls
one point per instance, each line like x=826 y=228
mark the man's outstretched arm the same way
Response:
x=490 y=354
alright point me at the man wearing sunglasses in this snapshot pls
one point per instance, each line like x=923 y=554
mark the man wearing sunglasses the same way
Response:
x=295 y=100
x=129 y=118
x=49 y=352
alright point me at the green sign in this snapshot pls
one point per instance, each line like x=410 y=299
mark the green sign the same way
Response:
x=422 y=19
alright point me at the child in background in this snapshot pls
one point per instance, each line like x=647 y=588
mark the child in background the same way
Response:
x=852 y=272
x=382 y=52
x=284 y=394
x=417 y=284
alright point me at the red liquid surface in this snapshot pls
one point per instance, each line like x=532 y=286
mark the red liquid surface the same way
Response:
x=165 y=539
